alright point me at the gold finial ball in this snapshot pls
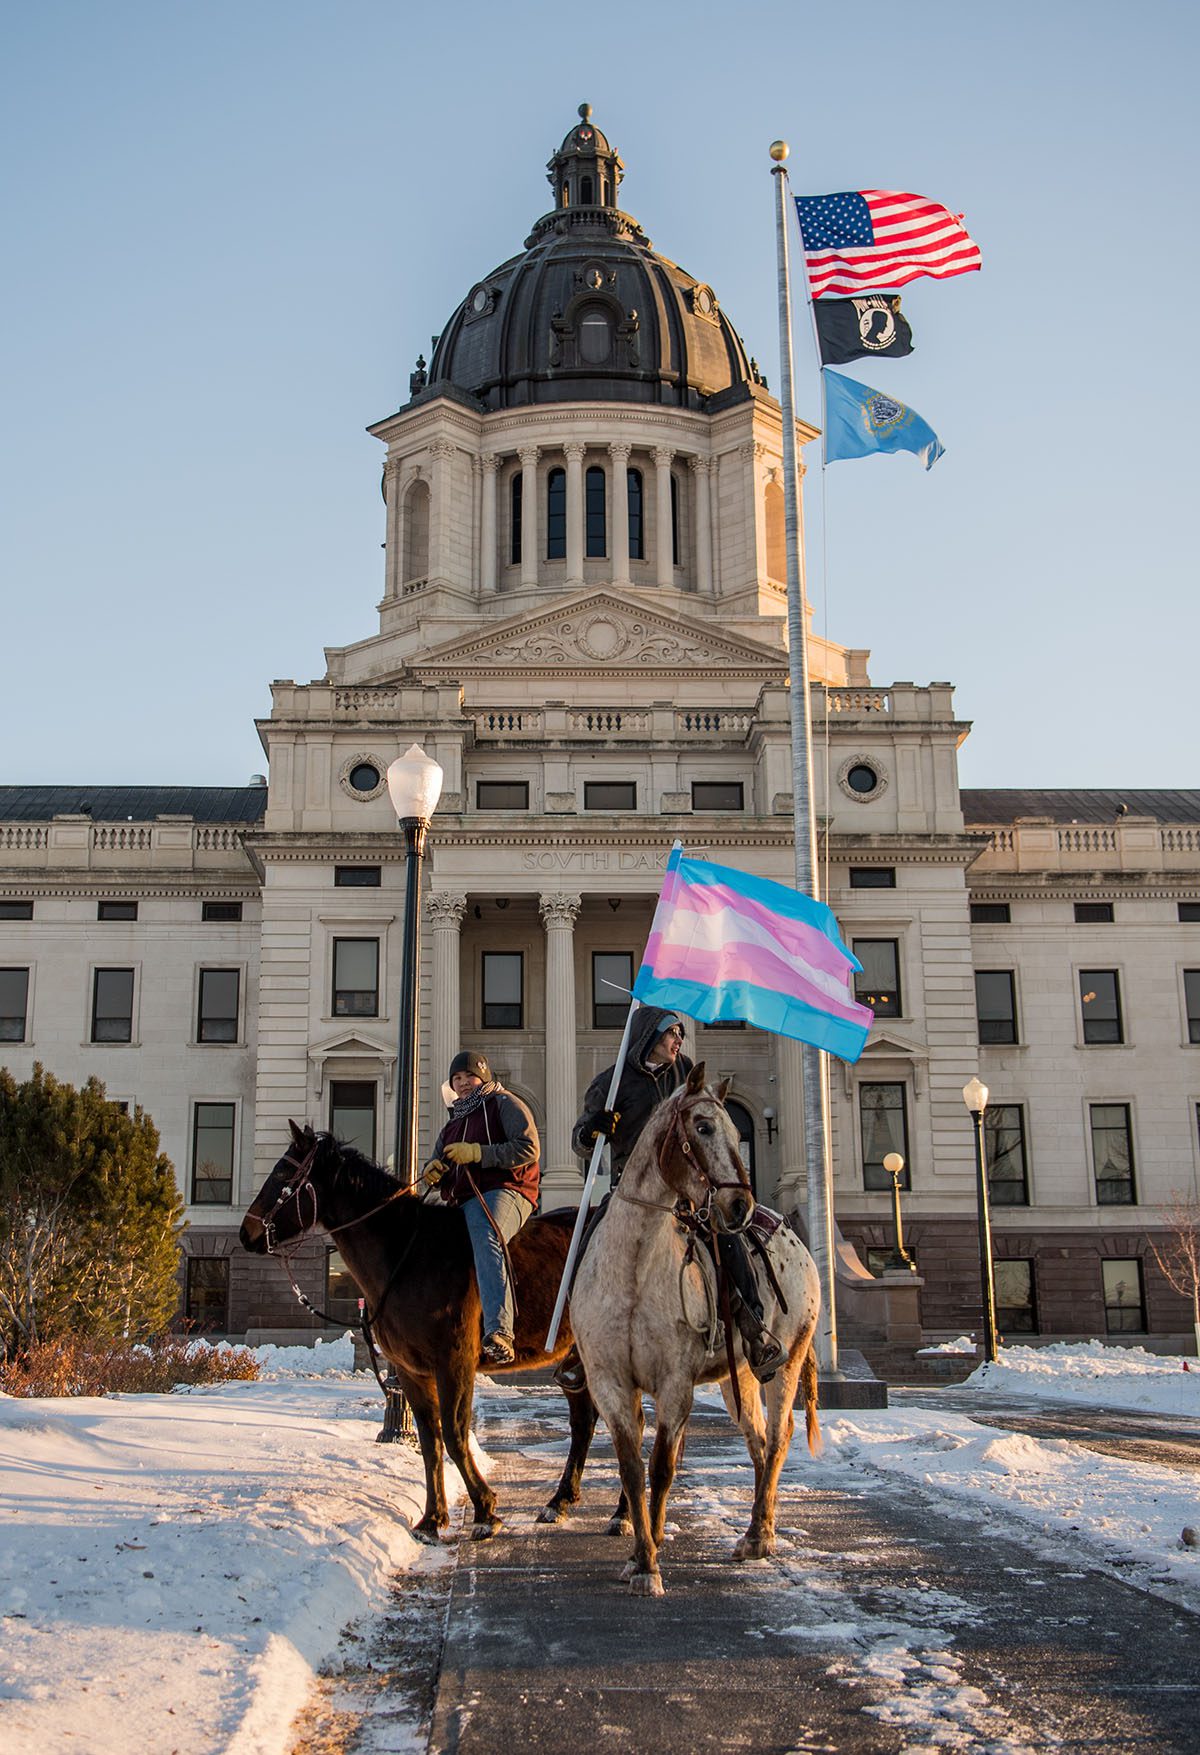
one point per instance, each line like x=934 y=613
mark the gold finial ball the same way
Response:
x=585 y=110
x=779 y=150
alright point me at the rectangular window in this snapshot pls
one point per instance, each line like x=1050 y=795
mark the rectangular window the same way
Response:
x=206 y=1293
x=112 y=1005
x=996 y=1005
x=718 y=795
x=595 y=546
x=341 y=1289
x=872 y=877
x=1124 y=1296
x=1100 y=1005
x=884 y=1129
x=10 y=910
x=14 y=1004
x=116 y=910
x=357 y=877
x=556 y=515
x=352 y=1113
x=218 y=1019
x=1191 y=999
x=220 y=910
x=503 y=990
x=610 y=1004
x=356 y=977
x=674 y=520
x=610 y=795
x=991 y=913
x=1093 y=913
x=502 y=795
x=514 y=539
x=1004 y=1143
x=1016 y=1301
x=877 y=983
x=1112 y=1154
x=1189 y=912
x=212 y=1154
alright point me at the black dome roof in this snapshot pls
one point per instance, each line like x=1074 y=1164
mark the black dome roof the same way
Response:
x=589 y=312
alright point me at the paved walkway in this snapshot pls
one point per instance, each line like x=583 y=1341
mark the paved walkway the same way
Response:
x=882 y=1626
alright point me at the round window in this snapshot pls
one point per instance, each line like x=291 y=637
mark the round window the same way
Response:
x=861 y=778
x=364 y=777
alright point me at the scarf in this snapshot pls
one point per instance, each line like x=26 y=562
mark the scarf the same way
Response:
x=464 y=1106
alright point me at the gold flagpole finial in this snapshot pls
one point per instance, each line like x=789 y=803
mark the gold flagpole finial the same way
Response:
x=779 y=150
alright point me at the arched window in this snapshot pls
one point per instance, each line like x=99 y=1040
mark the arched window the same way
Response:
x=741 y=1119
x=637 y=540
x=514 y=520
x=594 y=505
x=595 y=336
x=674 y=520
x=585 y=191
x=776 y=535
x=416 y=532
x=556 y=515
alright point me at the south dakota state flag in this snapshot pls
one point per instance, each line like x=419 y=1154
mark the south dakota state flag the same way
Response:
x=859 y=420
x=726 y=945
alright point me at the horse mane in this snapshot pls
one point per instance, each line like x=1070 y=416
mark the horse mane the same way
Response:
x=362 y=1175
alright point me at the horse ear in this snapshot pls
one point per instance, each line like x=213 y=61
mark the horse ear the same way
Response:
x=695 y=1079
x=297 y=1134
x=723 y=1089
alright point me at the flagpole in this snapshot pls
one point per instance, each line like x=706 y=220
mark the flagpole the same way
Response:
x=816 y=1132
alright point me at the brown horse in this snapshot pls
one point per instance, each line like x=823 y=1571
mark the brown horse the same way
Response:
x=412 y=1262
x=644 y=1307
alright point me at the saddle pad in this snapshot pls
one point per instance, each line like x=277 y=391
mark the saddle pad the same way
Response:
x=766 y=1221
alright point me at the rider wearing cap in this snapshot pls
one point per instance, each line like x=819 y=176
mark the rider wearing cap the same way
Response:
x=486 y=1161
x=655 y=1065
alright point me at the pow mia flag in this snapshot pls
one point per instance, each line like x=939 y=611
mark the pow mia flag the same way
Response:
x=862 y=328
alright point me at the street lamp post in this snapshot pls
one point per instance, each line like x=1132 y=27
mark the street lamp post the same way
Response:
x=899 y=1260
x=414 y=785
x=975 y=1096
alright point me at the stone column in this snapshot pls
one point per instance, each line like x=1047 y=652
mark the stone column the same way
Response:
x=560 y=1175
x=754 y=453
x=530 y=527
x=620 y=513
x=442 y=489
x=391 y=565
x=489 y=464
x=662 y=516
x=574 y=452
x=445 y=909
x=704 y=569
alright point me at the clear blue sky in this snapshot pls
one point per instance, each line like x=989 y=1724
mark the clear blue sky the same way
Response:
x=230 y=228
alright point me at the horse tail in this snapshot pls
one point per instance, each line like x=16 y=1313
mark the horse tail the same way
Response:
x=808 y=1378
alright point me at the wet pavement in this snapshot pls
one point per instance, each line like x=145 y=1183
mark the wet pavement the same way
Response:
x=883 y=1624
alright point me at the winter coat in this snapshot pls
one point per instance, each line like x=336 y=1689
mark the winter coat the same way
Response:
x=507 y=1132
x=642 y=1089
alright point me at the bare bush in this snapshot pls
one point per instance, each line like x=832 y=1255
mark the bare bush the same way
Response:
x=77 y=1366
x=1178 y=1257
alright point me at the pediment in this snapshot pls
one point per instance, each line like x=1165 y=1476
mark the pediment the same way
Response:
x=890 y=1046
x=602 y=631
x=353 y=1047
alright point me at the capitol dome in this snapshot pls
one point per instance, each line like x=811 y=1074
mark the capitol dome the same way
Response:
x=589 y=312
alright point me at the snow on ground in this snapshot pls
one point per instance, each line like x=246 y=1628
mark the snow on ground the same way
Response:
x=187 y=1561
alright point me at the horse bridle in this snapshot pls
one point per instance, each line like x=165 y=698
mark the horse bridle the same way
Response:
x=304 y=1169
x=691 y=1216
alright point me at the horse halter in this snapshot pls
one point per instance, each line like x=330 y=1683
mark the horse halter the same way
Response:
x=676 y=1137
x=293 y=1189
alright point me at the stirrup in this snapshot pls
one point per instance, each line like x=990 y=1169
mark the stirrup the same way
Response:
x=570 y=1375
x=764 y=1354
x=498 y=1350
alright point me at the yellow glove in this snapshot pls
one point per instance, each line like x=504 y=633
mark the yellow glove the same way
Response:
x=433 y=1172
x=464 y=1152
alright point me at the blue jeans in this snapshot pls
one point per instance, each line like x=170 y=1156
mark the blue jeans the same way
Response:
x=510 y=1211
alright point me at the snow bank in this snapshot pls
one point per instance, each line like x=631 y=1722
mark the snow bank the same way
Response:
x=1092 y=1372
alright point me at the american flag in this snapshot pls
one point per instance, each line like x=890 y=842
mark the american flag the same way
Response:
x=871 y=239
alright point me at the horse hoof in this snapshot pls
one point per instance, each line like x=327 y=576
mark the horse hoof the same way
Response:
x=619 y=1526
x=483 y=1531
x=550 y=1514
x=646 y=1584
x=426 y=1533
x=754 y=1548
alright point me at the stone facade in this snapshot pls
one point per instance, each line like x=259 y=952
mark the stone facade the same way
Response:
x=600 y=666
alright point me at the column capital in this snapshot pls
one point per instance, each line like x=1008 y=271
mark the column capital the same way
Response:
x=446 y=908
x=528 y=455
x=559 y=909
x=573 y=450
x=392 y=468
x=620 y=452
x=699 y=465
x=488 y=462
x=663 y=456
x=442 y=449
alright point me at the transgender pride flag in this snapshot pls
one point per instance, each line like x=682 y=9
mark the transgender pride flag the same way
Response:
x=725 y=945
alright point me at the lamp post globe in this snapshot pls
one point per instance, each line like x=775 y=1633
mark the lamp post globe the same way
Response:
x=975 y=1096
x=899 y=1261
x=414 y=782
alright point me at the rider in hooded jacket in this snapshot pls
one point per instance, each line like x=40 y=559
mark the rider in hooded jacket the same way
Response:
x=655 y=1065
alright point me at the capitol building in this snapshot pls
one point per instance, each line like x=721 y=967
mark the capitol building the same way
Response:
x=583 y=618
